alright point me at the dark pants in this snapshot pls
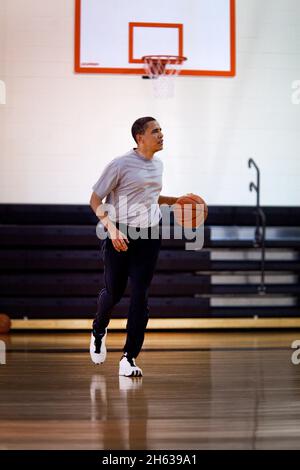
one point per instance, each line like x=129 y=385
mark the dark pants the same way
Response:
x=138 y=264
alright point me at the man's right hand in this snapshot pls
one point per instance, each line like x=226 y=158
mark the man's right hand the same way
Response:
x=119 y=240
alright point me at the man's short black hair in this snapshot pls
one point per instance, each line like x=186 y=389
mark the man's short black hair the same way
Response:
x=140 y=125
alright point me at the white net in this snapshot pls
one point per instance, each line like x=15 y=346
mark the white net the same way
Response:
x=163 y=69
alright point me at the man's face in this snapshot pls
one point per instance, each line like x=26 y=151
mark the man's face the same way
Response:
x=152 y=139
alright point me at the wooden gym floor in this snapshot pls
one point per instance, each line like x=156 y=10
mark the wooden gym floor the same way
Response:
x=200 y=390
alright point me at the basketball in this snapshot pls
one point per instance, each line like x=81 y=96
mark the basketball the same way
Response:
x=4 y=323
x=190 y=211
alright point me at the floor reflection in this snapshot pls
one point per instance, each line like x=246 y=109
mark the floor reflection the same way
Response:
x=122 y=404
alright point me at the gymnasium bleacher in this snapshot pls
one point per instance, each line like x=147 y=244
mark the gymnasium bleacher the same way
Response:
x=51 y=266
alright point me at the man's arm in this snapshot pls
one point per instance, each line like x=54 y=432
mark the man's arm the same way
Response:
x=167 y=200
x=118 y=239
x=95 y=203
x=170 y=200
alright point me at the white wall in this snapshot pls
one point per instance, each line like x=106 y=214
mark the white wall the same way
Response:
x=59 y=129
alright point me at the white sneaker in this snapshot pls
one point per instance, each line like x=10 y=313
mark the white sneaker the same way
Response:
x=98 y=348
x=128 y=367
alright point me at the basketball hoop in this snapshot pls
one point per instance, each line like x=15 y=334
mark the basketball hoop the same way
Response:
x=163 y=69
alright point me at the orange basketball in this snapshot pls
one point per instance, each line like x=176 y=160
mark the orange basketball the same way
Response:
x=190 y=211
x=4 y=323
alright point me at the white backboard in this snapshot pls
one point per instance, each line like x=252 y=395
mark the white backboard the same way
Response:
x=111 y=36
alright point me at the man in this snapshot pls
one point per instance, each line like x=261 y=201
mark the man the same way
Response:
x=129 y=181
